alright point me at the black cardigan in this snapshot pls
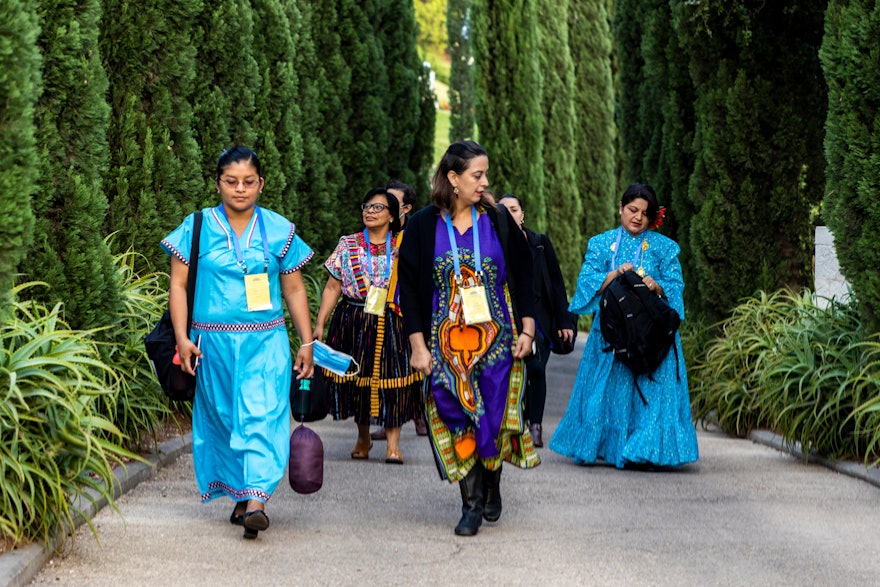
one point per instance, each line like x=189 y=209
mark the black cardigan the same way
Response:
x=416 y=268
x=551 y=300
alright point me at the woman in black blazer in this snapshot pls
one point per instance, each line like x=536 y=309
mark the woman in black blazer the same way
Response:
x=551 y=308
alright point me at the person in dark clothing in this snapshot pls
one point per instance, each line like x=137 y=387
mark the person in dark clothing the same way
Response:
x=551 y=307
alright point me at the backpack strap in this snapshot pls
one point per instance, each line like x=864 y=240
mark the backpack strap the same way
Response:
x=193 y=269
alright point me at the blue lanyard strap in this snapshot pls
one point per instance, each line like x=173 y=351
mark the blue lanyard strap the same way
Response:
x=387 y=254
x=617 y=248
x=478 y=263
x=238 y=254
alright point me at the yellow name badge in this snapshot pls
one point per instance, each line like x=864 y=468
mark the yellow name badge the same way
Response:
x=375 y=303
x=256 y=289
x=475 y=305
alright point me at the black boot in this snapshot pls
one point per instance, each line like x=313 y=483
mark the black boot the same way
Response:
x=471 y=502
x=492 y=494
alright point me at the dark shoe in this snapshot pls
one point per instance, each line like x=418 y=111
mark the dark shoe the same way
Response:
x=237 y=516
x=378 y=434
x=537 y=439
x=492 y=494
x=471 y=502
x=421 y=425
x=254 y=522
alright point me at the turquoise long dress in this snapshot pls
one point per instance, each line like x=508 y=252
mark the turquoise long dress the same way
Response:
x=241 y=411
x=606 y=418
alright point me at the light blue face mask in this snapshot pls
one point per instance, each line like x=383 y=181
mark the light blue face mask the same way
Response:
x=334 y=361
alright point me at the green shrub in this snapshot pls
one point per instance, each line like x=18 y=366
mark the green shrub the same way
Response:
x=55 y=446
x=138 y=407
x=782 y=362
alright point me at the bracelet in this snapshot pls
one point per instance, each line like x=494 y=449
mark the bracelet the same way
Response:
x=532 y=336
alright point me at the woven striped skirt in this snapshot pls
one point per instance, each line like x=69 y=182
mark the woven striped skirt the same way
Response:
x=384 y=390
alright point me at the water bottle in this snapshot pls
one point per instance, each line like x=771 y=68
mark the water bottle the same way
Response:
x=302 y=407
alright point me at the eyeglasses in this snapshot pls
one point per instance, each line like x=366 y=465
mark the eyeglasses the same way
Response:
x=249 y=183
x=369 y=207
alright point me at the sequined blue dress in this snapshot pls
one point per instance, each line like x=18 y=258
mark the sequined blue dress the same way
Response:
x=241 y=411
x=606 y=418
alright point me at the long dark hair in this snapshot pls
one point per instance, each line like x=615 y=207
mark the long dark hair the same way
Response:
x=457 y=158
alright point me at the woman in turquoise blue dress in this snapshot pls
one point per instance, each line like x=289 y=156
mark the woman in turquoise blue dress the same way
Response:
x=249 y=263
x=606 y=418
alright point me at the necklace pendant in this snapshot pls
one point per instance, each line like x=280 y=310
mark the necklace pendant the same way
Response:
x=641 y=271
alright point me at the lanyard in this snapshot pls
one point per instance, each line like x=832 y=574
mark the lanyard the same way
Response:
x=238 y=254
x=387 y=254
x=478 y=264
x=617 y=248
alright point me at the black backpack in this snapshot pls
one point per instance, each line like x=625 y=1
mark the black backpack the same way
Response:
x=638 y=325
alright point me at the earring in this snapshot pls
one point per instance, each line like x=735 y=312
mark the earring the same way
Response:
x=455 y=191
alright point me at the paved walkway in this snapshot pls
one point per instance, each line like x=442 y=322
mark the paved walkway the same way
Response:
x=745 y=514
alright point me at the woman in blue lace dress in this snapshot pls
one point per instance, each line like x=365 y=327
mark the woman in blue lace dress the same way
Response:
x=606 y=418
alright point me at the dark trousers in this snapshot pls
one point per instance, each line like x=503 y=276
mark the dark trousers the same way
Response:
x=536 y=382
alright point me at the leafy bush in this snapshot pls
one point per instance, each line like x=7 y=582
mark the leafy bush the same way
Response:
x=138 y=407
x=55 y=445
x=783 y=362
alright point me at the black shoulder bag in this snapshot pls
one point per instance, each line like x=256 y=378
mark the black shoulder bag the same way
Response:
x=161 y=344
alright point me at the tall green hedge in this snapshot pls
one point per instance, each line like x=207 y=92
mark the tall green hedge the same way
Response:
x=459 y=23
x=759 y=166
x=69 y=252
x=509 y=88
x=155 y=175
x=278 y=117
x=851 y=65
x=315 y=210
x=596 y=155
x=656 y=114
x=226 y=85
x=564 y=209
x=20 y=87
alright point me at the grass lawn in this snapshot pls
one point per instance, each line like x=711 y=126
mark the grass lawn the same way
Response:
x=441 y=125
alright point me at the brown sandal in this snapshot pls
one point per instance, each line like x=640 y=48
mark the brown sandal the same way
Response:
x=394 y=457
x=360 y=454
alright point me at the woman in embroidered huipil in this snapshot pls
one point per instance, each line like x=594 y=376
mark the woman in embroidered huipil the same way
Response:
x=367 y=325
x=606 y=417
x=249 y=264
x=468 y=311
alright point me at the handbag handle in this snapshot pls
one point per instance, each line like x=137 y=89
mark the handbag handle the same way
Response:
x=193 y=269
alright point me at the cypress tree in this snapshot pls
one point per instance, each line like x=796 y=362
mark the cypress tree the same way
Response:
x=421 y=159
x=563 y=205
x=398 y=36
x=656 y=113
x=852 y=146
x=590 y=42
x=69 y=251
x=279 y=143
x=315 y=211
x=354 y=124
x=759 y=166
x=155 y=173
x=20 y=86
x=461 y=70
x=367 y=119
x=227 y=81
x=508 y=90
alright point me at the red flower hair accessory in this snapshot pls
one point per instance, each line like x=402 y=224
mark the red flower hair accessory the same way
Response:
x=658 y=219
